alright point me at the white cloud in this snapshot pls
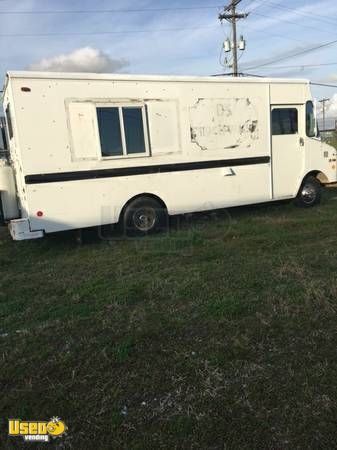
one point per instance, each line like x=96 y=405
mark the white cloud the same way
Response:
x=86 y=59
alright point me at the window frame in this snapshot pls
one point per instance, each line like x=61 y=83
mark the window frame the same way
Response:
x=286 y=107
x=120 y=107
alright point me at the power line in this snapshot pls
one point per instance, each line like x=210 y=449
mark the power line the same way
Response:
x=300 y=66
x=303 y=52
x=314 y=16
x=291 y=22
x=284 y=36
x=271 y=17
x=108 y=11
x=258 y=6
x=94 y=33
x=324 y=84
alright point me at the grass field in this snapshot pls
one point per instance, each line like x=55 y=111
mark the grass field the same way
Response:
x=221 y=334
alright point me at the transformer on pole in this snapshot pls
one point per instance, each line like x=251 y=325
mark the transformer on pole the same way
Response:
x=231 y=16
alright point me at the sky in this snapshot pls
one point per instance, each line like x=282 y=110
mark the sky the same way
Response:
x=176 y=37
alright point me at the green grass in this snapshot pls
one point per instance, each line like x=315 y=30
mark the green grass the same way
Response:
x=218 y=335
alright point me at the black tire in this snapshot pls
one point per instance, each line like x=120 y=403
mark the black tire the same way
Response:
x=144 y=216
x=310 y=193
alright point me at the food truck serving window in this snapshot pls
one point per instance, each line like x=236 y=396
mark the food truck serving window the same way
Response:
x=122 y=130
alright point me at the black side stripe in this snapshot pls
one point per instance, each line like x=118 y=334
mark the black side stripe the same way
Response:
x=142 y=170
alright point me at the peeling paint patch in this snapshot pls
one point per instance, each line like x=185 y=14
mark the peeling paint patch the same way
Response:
x=194 y=139
x=218 y=124
x=231 y=146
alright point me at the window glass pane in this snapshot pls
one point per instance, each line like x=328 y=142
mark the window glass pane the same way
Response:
x=110 y=131
x=310 y=120
x=285 y=121
x=134 y=130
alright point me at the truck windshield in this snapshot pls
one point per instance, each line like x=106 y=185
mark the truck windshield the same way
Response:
x=310 y=120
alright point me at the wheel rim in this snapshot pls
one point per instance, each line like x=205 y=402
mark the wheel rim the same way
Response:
x=308 y=193
x=144 y=219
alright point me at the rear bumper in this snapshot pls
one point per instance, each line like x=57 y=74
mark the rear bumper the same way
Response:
x=20 y=230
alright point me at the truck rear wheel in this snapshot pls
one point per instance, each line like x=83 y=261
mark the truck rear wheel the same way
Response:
x=310 y=193
x=144 y=216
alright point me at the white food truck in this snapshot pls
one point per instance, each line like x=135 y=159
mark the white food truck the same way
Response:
x=90 y=149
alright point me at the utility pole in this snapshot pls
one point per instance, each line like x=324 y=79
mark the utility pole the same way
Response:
x=323 y=101
x=232 y=16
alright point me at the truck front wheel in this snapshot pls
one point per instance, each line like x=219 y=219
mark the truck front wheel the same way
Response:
x=310 y=193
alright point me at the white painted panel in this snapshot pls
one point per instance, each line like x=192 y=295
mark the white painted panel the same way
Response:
x=47 y=104
x=86 y=203
x=83 y=130
x=287 y=94
x=163 y=127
